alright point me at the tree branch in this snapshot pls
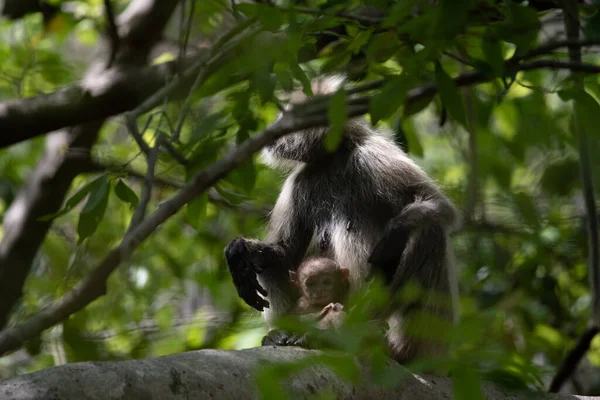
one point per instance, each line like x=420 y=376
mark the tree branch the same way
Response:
x=140 y=210
x=88 y=289
x=122 y=89
x=573 y=357
x=92 y=286
x=113 y=32
x=213 y=194
x=47 y=186
x=113 y=92
x=222 y=374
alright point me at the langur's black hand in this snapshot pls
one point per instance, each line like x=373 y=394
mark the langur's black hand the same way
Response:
x=279 y=337
x=386 y=255
x=243 y=271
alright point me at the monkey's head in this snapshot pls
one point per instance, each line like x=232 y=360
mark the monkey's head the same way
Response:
x=321 y=281
x=307 y=145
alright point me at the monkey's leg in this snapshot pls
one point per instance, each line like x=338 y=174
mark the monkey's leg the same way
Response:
x=427 y=218
x=424 y=261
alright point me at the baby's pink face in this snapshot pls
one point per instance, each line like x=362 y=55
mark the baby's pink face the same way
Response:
x=320 y=289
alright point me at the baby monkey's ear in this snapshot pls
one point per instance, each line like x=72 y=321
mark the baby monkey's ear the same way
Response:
x=294 y=278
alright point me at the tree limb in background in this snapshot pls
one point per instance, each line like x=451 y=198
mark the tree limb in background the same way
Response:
x=122 y=89
x=572 y=360
x=572 y=26
x=91 y=286
x=140 y=210
x=113 y=92
x=113 y=32
x=46 y=188
x=213 y=194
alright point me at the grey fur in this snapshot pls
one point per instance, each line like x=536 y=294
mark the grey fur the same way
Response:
x=347 y=199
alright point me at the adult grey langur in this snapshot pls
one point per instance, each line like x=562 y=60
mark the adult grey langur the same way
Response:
x=366 y=205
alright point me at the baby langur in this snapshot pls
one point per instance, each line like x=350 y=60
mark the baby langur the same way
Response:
x=324 y=286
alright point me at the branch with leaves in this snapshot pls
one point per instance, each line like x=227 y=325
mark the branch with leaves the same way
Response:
x=45 y=190
x=310 y=114
x=118 y=90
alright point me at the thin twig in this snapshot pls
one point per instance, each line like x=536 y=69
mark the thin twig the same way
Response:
x=134 y=131
x=572 y=360
x=205 y=61
x=173 y=151
x=213 y=195
x=547 y=48
x=216 y=54
x=363 y=19
x=187 y=28
x=140 y=210
x=113 y=32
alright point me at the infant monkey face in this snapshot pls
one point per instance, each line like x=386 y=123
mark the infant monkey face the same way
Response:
x=321 y=289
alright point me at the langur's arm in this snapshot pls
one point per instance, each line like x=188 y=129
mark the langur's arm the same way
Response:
x=283 y=249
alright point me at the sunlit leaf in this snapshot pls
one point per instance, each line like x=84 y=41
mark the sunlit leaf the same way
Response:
x=389 y=99
x=414 y=107
x=520 y=27
x=451 y=17
x=451 y=97
x=561 y=177
x=337 y=115
x=494 y=54
x=466 y=384
x=196 y=210
x=591 y=28
x=125 y=193
x=94 y=209
x=74 y=199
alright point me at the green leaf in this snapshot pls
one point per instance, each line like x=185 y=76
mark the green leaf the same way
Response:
x=270 y=17
x=389 y=99
x=94 y=209
x=337 y=114
x=399 y=11
x=206 y=125
x=451 y=96
x=466 y=384
x=196 y=210
x=413 y=142
x=587 y=109
x=299 y=74
x=125 y=194
x=527 y=208
x=413 y=107
x=451 y=18
x=591 y=29
x=361 y=39
x=381 y=47
x=336 y=62
x=494 y=54
x=205 y=153
x=521 y=26
x=588 y=112
x=73 y=200
x=264 y=83
x=557 y=179
x=244 y=176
